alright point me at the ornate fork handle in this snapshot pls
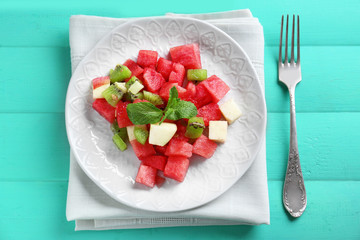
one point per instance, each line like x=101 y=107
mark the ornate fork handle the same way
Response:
x=294 y=194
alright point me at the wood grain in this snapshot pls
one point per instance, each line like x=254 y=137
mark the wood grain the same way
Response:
x=45 y=217
x=43 y=23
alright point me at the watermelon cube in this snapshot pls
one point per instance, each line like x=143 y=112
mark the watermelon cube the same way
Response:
x=99 y=85
x=180 y=133
x=190 y=92
x=187 y=55
x=147 y=58
x=140 y=100
x=164 y=67
x=104 y=109
x=176 y=168
x=159 y=181
x=179 y=147
x=153 y=80
x=121 y=115
x=142 y=151
x=135 y=69
x=177 y=74
x=202 y=96
x=165 y=90
x=210 y=112
x=204 y=147
x=216 y=87
x=146 y=175
x=155 y=161
x=160 y=149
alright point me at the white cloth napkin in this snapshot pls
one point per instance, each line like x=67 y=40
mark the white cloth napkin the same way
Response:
x=245 y=203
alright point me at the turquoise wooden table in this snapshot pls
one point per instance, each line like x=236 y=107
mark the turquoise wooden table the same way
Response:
x=34 y=158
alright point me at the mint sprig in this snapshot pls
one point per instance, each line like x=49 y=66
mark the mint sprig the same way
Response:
x=145 y=113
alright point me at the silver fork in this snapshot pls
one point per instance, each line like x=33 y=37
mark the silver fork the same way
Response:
x=294 y=194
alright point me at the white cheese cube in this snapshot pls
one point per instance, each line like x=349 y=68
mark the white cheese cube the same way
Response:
x=218 y=131
x=130 y=131
x=230 y=111
x=161 y=134
x=97 y=92
x=136 y=87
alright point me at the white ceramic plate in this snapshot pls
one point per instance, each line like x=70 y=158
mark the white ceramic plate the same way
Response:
x=114 y=171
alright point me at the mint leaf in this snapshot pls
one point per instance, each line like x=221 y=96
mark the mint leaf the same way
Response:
x=167 y=113
x=182 y=109
x=173 y=98
x=143 y=113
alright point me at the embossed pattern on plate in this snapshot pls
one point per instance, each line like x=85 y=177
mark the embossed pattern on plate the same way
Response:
x=114 y=171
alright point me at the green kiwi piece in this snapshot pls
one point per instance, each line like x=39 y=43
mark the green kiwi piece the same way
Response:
x=130 y=97
x=131 y=81
x=153 y=98
x=141 y=135
x=112 y=95
x=121 y=131
x=195 y=127
x=196 y=74
x=119 y=74
x=119 y=142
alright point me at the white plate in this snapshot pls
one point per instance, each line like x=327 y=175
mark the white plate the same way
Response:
x=114 y=171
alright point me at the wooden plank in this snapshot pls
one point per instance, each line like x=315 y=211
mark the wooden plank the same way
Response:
x=36 y=210
x=35 y=146
x=328 y=84
x=43 y=23
x=35 y=79
x=42 y=87
x=328 y=145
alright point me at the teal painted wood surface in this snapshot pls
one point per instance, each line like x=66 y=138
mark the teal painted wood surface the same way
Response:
x=34 y=159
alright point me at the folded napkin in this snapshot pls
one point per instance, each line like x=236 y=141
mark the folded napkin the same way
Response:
x=245 y=203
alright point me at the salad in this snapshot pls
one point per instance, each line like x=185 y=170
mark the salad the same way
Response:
x=162 y=107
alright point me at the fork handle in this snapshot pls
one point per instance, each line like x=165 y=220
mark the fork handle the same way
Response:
x=294 y=194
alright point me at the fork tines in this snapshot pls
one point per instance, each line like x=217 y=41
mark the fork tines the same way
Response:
x=292 y=60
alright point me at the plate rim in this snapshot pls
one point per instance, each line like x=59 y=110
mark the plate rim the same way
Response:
x=93 y=49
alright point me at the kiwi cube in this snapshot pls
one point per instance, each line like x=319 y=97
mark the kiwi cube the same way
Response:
x=196 y=74
x=119 y=142
x=119 y=74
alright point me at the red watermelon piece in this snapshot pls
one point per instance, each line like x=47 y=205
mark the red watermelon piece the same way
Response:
x=179 y=147
x=210 y=112
x=146 y=175
x=159 y=181
x=104 y=109
x=204 y=147
x=165 y=90
x=176 y=168
x=190 y=92
x=187 y=55
x=140 y=100
x=160 y=149
x=155 y=161
x=216 y=87
x=135 y=69
x=180 y=132
x=164 y=67
x=202 y=96
x=121 y=115
x=153 y=80
x=147 y=58
x=177 y=74
x=100 y=81
x=142 y=151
